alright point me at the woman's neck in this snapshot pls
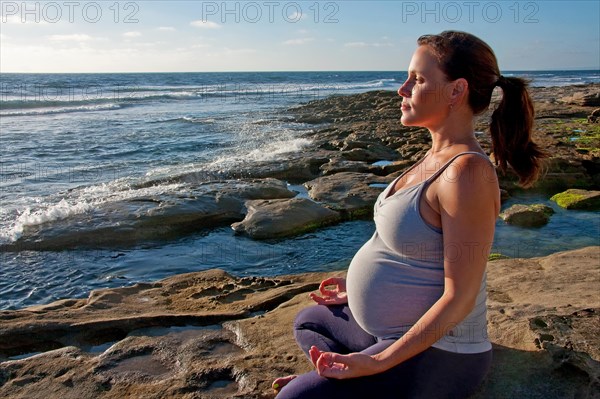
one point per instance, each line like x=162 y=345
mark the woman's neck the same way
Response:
x=450 y=136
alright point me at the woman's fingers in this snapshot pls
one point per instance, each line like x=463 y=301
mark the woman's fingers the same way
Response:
x=314 y=353
x=327 y=292
x=331 y=365
x=331 y=281
x=319 y=300
x=328 y=281
x=328 y=301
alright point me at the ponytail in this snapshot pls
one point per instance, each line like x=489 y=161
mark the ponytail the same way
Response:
x=462 y=55
x=511 y=127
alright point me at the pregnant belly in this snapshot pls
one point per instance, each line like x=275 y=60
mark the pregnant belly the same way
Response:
x=386 y=295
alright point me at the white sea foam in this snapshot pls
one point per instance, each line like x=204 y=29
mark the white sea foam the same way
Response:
x=62 y=110
x=78 y=201
x=268 y=151
x=271 y=151
x=29 y=217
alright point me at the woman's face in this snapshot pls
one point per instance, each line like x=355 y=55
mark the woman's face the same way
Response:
x=426 y=98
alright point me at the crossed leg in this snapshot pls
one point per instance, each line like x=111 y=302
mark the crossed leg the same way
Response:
x=433 y=373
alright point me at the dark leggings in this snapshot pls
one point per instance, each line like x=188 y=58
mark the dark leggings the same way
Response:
x=433 y=373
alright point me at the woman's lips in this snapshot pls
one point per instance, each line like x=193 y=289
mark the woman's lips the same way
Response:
x=405 y=107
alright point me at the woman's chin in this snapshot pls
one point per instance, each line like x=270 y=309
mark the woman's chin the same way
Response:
x=406 y=121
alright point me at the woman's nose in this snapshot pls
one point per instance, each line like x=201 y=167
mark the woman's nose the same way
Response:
x=404 y=90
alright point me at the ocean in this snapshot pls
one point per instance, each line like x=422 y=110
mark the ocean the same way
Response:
x=70 y=143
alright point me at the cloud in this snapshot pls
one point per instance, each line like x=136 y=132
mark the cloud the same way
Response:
x=294 y=17
x=299 y=42
x=23 y=19
x=166 y=28
x=356 y=44
x=205 y=24
x=382 y=45
x=364 y=44
x=236 y=51
x=132 y=34
x=76 y=37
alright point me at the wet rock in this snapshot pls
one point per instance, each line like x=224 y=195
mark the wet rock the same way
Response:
x=295 y=170
x=563 y=173
x=396 y=167
x=367 y=152
x=337 y=165
x=535 y=215
x=348 y=192
x=158 y=217
x=283 y=218
x=578 y=199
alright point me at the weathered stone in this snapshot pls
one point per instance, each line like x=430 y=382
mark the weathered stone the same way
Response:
x=397 y=166
x=594 y=117
x=347 y=192
x=164 y=216
x=337 y=165
x=527 y=215
x=578 y=199
x=367 y=152
x=380 y=125
x=294 y=169
x=583 y=98
x=283 y=218
x=211 y=335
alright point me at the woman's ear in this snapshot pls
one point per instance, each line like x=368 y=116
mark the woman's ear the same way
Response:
x=460 y=88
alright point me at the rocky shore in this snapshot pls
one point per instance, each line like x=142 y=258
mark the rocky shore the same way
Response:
x=213 y=335
x=357 y=145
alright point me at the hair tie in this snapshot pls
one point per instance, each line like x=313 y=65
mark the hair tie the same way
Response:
x=501 y=81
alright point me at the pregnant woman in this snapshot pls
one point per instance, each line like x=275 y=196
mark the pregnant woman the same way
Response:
x=409 y=320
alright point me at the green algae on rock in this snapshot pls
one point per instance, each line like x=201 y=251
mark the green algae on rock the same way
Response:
x=578 y=199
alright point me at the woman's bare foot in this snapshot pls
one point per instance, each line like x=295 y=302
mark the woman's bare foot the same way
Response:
x=282 y=381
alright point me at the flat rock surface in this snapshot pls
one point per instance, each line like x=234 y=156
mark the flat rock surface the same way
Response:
x=349 y=192
x=283 y=217
x=535 y=215
x=212 y=335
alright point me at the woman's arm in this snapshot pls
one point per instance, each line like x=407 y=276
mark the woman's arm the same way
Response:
x=469 y=205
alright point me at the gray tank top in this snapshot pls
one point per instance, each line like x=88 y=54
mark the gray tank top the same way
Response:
x=399 y=274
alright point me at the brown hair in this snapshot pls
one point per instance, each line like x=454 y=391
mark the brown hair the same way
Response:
x=462 y=55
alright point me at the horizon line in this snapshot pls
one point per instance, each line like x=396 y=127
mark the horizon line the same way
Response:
x=294 y=71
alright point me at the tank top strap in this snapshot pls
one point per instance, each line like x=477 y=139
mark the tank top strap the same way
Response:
x=443 y=168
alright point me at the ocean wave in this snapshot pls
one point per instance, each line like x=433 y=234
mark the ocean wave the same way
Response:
x=272 y=151
x=78 y=201
x=70 y=101
x=63 y=110
x=269 y=151
x=188 y=119
x=27 y=217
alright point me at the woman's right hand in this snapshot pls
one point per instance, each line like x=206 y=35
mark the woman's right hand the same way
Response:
x=335 y=296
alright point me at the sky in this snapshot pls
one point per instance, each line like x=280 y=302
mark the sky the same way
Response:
x=206 y=36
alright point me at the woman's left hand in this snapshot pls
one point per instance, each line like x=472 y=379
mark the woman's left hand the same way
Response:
x=334 y=365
